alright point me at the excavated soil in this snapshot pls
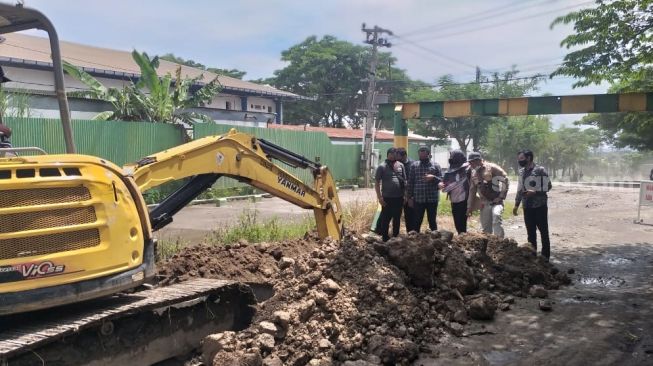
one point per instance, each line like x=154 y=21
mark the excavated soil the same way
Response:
x=361 y=301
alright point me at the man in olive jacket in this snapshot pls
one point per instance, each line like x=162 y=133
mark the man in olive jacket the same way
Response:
x=491 y=184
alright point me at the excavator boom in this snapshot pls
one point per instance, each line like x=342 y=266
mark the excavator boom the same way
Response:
x=246 y=159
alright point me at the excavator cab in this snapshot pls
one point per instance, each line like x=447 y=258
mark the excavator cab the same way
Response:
x=72 y=227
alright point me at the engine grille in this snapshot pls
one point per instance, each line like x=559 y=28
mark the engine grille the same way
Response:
x=45 y=219
x=47 y=244
x=43 y=196
x=25 y=221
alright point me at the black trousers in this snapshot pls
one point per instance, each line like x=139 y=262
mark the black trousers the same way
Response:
x=391 y=211
x=459 y=213
x=409 y=218
x=537 y=219
x=431 y=211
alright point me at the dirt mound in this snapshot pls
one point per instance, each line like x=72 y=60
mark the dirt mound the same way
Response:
x=361 y=301
x=239 y=261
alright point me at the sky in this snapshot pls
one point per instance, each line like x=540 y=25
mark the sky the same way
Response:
x=431 y=37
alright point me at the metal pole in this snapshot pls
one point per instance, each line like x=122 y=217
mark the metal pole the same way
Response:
x=639 y=204
x=59 y=86
x=60 y=90
x=373 y=39
x=369 y=119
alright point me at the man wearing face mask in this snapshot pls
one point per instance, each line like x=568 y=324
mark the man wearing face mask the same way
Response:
x=456 y=185
x=534 y=183
x=491 y=183
x=390 y=183
x=409 y=212
x=423 y=193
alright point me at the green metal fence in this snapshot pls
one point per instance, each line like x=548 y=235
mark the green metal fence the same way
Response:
x=124 y=142
x=118 y=142
x=342 y=160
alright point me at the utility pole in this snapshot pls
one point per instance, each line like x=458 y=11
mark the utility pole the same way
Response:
x=372 y=38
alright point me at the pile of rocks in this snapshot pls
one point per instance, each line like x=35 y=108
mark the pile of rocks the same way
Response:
x=364 y=302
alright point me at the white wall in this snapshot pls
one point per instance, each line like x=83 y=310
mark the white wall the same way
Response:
x=220 y=102
x=248 y=123
x=266 y=105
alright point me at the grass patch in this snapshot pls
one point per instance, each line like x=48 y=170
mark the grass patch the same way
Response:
x=254 y=230
x=166 y=248
x=358 y=215
x=248 y=227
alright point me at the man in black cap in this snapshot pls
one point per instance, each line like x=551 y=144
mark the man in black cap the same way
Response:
x=456 y=185
x=491 y=184
x=423 y=191
x=5 y=132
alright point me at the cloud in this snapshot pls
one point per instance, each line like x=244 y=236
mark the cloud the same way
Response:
x=250 y=35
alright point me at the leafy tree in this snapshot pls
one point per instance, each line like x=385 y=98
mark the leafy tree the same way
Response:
x=506 y=137
x=616 y=46
x=151 y=98
x=568 y=149
x=332 y=71
x=234 y=73
x=468 y=130
x=634 y=130
x=615 y=39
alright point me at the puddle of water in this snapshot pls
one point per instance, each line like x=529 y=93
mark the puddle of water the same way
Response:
x=602 y=281
x=580 y=300
x=617 y=261
x=496 y=358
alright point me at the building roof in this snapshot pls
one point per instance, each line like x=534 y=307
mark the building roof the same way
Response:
x=18 y=48
x=344 y=133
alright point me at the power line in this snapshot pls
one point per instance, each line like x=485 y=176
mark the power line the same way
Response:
x=505 y=22
x=428 y=85
x=429 y=56
x=472 y=17
x=438 y=54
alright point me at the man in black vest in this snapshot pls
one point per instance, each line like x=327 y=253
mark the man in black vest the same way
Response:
x=409 y=211
x=390 y=183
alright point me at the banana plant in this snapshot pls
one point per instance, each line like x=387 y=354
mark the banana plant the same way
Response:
x=151 y=98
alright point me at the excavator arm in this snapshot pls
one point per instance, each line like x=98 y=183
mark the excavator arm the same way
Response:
x=246 y=159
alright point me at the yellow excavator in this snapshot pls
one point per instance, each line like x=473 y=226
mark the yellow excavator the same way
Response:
x=75 y=231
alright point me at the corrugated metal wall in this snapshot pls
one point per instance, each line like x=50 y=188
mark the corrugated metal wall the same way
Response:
x=342 y=160
x=118 y=142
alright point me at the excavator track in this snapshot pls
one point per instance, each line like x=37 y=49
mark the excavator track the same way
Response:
x=140 y=328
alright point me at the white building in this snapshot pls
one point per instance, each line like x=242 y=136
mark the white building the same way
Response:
x=26 y=61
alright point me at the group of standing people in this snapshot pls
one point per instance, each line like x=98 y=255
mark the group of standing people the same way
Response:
x=470 y=183
x=409 y=186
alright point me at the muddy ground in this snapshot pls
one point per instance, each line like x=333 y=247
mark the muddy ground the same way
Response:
x=604 y=317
